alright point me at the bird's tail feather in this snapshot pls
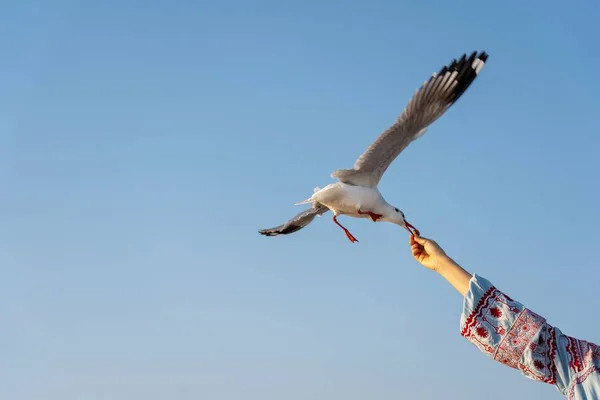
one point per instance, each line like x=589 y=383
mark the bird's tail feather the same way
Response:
x=309 y=200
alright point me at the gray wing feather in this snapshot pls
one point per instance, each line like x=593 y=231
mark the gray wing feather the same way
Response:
x=296 y=223
x=428 y=104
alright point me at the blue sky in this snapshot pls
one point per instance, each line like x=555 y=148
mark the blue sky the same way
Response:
x=143 y=144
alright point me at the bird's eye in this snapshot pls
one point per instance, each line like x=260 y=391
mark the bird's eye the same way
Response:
x=396 y=210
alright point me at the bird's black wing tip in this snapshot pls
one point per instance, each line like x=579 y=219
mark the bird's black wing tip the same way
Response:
x=281 y=230
x=467 y=70
x=463 y=61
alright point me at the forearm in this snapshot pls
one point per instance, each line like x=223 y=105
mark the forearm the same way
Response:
x=455 y=275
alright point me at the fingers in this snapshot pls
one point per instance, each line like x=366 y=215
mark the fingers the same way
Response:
x=416 y=249
x=414 y=238
x=414 y=242
x=420 y=240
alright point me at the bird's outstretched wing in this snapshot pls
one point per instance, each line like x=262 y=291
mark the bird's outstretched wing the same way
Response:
x=428 y=103
x=298 y=222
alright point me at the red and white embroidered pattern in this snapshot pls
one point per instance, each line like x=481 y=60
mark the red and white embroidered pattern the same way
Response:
x=520 y=335
x=580 y=379
x=582 y=354
x=540 y=363
x=510 y=333
x=476 y=316
x=575 y=354
x=507 y=331
x=489 y=322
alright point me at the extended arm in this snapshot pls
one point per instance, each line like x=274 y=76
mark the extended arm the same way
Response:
x=508 y=332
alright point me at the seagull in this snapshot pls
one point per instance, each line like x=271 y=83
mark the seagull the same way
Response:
x=355 y=194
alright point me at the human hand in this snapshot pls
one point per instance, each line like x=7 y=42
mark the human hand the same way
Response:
x=428 y=253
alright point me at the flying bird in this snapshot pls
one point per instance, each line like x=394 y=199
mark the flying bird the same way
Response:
x=356 y=193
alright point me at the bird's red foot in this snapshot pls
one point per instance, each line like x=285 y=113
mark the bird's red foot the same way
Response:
x=371 y=214
x=348 y=234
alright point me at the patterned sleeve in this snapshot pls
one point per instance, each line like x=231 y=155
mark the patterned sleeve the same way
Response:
x=510 y=333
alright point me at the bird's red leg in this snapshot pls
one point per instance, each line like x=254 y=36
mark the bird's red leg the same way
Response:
x=348 y=234
x=371 y=214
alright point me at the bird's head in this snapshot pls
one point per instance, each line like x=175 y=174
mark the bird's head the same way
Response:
x=396 y=216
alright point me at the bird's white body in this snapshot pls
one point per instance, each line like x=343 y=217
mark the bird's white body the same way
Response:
x=344 y=199
x=356 y=201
